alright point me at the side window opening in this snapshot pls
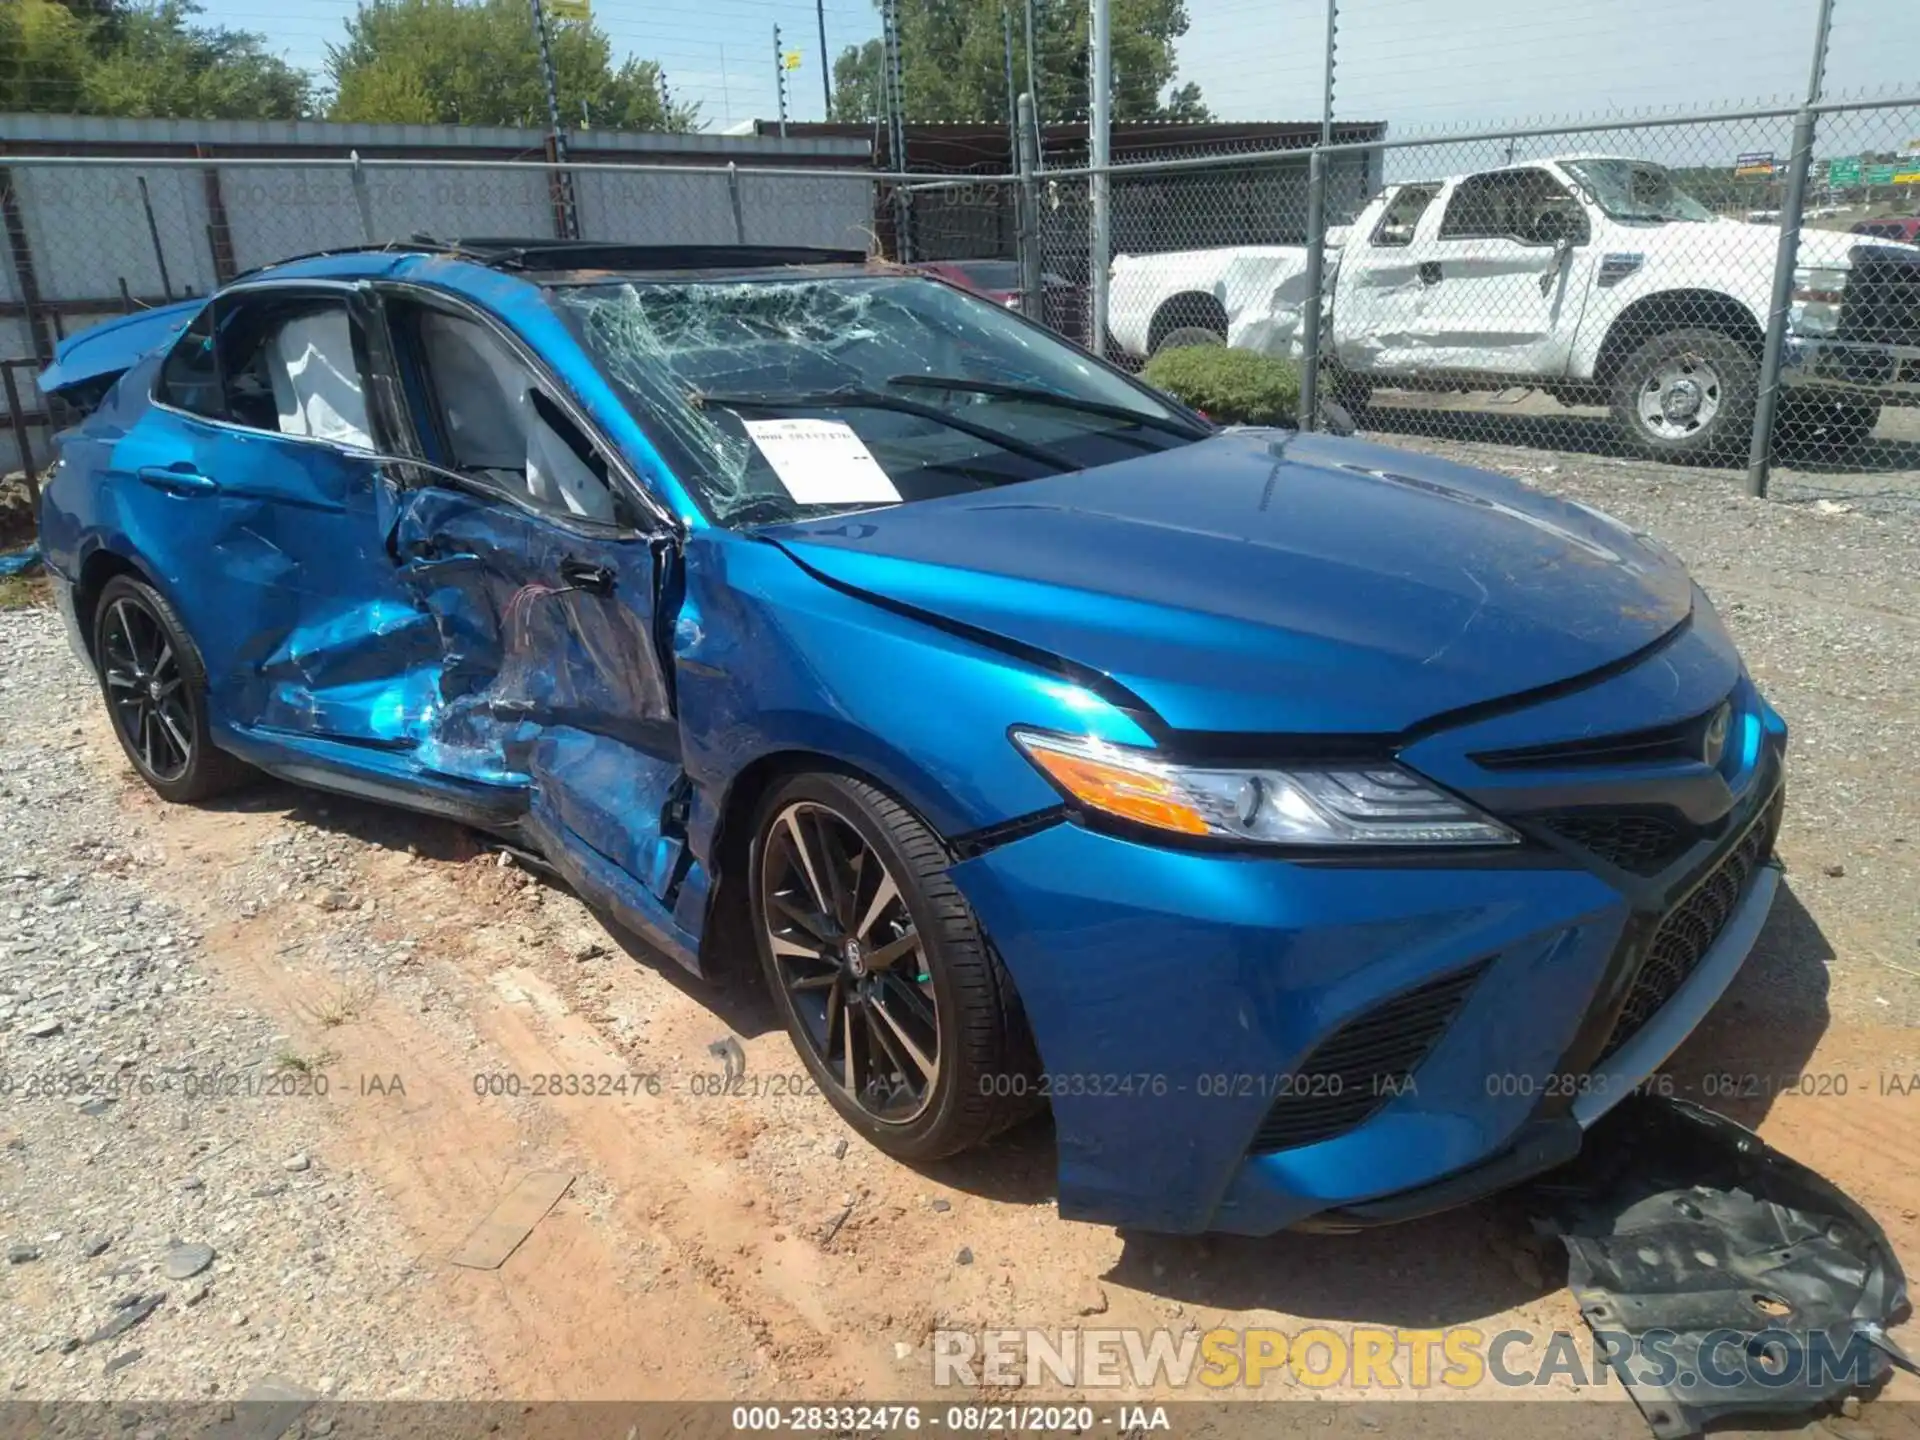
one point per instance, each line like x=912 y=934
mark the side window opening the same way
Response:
x=288 y=366
x=190 y=377
x=493 y=420
x=1402 y=216
x=1527 y=206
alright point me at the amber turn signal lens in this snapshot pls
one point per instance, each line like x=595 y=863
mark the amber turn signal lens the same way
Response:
x=1118 y=790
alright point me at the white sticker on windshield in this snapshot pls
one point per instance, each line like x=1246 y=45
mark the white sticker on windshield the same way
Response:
x=821 y=462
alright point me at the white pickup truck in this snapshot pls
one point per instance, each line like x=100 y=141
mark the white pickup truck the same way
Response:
x=1593 y=278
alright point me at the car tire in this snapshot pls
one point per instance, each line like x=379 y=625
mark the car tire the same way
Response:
x=957 y=998
x=1686 y=395
x=155 y=688
x=1189 y=337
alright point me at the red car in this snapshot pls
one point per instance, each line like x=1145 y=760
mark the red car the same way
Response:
x=1062 y=307
x=1903 y=228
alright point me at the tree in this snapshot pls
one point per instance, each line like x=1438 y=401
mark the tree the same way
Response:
x=49 y=57
x=162 y=66
x=122 y=59
x=445 y=61
x=953 y=62
x=856 y=83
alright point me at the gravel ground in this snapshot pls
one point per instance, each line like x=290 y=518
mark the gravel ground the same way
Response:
x=173 y=1217
x=746 y=1247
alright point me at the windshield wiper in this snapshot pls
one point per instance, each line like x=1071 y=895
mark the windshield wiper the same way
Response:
x=873 y=400
x=965 y=385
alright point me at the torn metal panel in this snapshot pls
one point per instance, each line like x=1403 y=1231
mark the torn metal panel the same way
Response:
x=1719 y=1276
x=521 y=647
x=1261 y=289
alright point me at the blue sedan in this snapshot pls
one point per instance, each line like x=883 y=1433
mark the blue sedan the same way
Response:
x=1326 y=835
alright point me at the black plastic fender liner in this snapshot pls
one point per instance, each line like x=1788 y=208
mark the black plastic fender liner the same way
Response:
x=1717 y=1275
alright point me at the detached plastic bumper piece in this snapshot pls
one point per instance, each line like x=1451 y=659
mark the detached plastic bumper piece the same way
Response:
x=1717 y=1275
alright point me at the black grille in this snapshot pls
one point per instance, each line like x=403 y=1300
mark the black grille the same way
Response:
x=1638 y=841
x=1362 y=1065
x=1687 y=932
x=1881 y=304
x=1679 y=741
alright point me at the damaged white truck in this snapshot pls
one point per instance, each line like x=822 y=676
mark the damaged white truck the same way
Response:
x=1595 y=279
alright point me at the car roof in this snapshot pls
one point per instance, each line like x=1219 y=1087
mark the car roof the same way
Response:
x=452 y=262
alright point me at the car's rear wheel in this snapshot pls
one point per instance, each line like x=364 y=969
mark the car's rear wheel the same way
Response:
x=899 y=1008
x=156 y=692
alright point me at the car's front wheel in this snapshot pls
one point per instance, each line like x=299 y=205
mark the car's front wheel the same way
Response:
x=156 y=693
x=901 y=1011
x=1686 y=395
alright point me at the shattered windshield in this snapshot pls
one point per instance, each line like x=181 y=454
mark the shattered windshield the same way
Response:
x=1635 y=190
x=790 y=398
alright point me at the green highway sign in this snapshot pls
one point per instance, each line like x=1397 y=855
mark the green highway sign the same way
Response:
x=1844 y=171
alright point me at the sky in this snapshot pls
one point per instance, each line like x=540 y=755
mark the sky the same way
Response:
x=1417 y=64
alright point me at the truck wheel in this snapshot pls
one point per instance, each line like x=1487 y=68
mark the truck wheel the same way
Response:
x=1686 y=395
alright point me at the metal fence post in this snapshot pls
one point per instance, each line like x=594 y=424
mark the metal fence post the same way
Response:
x=1100 y=157
x=1027 y=199
x=1792 y=216
x=1766 y=402
x=22 y=438
x=739 y=213
x=360 y=196
x=1316 y=263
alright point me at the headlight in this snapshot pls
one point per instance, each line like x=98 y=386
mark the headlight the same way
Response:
x=1335 y=804
x=1817 y=291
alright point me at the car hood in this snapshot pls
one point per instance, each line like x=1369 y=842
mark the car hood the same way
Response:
x=1265 y=582
x=1835 y=247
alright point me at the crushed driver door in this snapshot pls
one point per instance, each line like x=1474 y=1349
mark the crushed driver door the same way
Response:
x=521 y=536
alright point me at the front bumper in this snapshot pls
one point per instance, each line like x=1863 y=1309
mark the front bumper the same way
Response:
x=1887 y=373
x=1175 y=997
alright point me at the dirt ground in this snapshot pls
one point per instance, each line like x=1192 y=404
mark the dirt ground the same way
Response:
x=753 y=1248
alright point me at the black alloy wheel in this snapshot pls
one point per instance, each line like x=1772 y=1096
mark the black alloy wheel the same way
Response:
x=899 y=1008
x=155 y=689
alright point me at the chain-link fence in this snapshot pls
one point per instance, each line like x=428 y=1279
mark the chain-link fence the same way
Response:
x=86 y=239
x=1618 y=288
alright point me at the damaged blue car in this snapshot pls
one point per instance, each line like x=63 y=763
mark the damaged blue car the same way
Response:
x=1325 y=834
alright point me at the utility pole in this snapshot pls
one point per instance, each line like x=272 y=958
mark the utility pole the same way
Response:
x=563 y=179
x=1099 y=156
x=1033 y=88
x=896 y=124
x=826 y=70
x=780 y=79
x=1013 y=99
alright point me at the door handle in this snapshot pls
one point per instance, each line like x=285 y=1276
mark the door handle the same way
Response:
x=178 y=479
x=1429 y=272
x=587 y=576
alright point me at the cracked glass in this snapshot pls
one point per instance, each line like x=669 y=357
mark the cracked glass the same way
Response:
x=890 y=357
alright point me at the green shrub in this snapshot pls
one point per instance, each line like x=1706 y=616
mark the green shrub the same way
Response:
x=1230 y=387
